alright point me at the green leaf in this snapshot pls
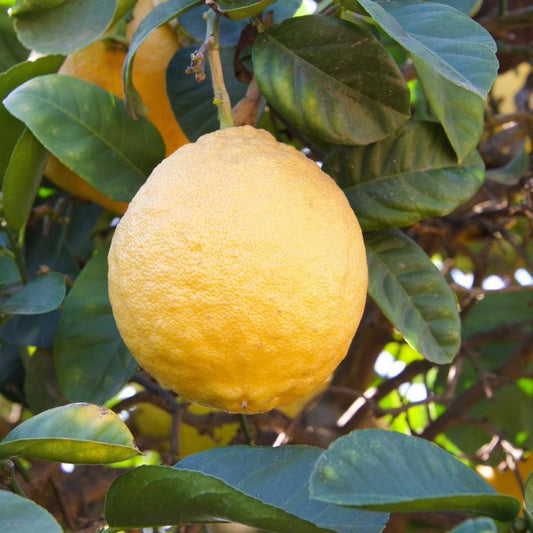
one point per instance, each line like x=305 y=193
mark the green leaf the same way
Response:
x=74 y=433
x=454 y=57
x=470 y=7
x=11 y=50
x=406 y=177
x=456 y=46
x=65 y=27
x=476 y=525
x=239 y=10
x=387 y=471
x=92 y=362
x=88 y=129
x=511 y=173
x=40 y=295
x=192 y=102
x=358 y=97
x=28 y=6
x=11 y=127
x=160 y=15
x=22 y=515
x=265 y=488
x=528 y=499
x=459 y=111
x=22 y=179
x=413 y=295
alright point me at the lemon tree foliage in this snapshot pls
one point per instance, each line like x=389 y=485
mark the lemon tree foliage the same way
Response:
x=237 y=275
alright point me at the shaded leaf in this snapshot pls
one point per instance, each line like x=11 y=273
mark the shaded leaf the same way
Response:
x=11 y=372
x=238 y=10
x=404 y=178
x=92 y=362
x=62 y=27
x=262 y=487
x=192 y=102
x=413 y=295
x=11 y=50
x=22 y=178
x=511 y=173
x=74 y=433
x=11 y=127
x=88 y=129
x=528 y=499
x=455 y=61
x=358 y=98
x=22 y=515
x=40 y=295
x=161 y=14
x=388 y=471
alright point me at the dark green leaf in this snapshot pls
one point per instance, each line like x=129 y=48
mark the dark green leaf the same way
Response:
x=22 y=515
x=22 y=179
x=11 y=50
x=239 y=10
x=11 y=372
x=92 y=362
x=413 y=295
x=192 y=102
x=66 y=27
x=511 y=173
x=358 y=97
x=528 y=499
x=74 y=433
x=194 y=23
x=407 y=177
x=32 y=330
x=88 y=129
x=41 y=388
x=11 y=127
x=40 y=295
x=160 y=15
x=476 y=525
x=9 y=272
x=266 y=488
x=459 y=111
x=388 y=471
x=455 y=61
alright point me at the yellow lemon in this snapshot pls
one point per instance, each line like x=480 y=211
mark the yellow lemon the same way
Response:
x=101 y=63
x=238 y=276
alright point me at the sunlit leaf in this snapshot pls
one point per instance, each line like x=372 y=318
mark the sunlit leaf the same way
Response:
x=74 y=433
x=265 y=488
x=388 y=471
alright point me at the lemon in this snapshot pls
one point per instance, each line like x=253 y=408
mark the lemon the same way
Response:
x=101 y=63
x=237 y=276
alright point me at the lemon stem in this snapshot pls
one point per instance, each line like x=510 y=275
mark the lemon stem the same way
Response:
x=7 y=467
x=221 y=96
x=246 y=430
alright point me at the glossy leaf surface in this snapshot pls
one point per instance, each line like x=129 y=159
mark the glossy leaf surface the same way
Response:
x=388 y=471
x=74 y=433
x=476 y=525
x=64 y=27
x=88 y=129
x=413 y=294
x=239 y=10
x=405 y=178
x=22 y=179
x=359 y=98
x=22 y=515
x=42 y=294
x=10 y=126
x=266 y=488
x=92 y=362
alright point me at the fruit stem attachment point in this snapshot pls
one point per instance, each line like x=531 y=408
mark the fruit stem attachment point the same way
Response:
x=246 y=430
x=221 y=96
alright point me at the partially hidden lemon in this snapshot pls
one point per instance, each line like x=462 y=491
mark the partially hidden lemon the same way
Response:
x=238 y=276
x=101 y=63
